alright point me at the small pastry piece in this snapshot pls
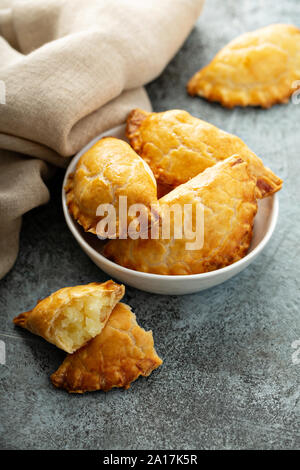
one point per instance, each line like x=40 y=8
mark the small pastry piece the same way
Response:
x=226 y=193
x=72 y=316
x=108 y=170
x=256 y=69
x=178 y=146
x=119 y=355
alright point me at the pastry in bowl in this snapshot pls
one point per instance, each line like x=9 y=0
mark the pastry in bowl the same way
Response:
x=259 y=68
x=106 y=172
x=226 y=194
x=70 y=317
x=116 y=357
x=178 y=146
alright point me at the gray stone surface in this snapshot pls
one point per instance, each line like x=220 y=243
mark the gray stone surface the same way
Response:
x=228 y=380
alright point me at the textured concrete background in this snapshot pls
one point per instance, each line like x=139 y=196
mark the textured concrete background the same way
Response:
x=228 y=380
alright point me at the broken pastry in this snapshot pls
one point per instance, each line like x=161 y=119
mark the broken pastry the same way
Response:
x=218 y=236
x=70 y=317
x=259 y=68
x=178 y=146
x=116 y=357
x=108 y=170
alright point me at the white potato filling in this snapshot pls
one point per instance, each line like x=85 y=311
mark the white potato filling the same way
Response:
x=81 y=320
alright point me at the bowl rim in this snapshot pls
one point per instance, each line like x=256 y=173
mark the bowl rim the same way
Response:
x=176 y=277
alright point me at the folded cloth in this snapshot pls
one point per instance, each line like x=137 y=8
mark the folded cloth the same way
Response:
x=69 y=70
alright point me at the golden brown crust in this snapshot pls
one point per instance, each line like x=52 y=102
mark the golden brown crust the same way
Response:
x=108 y=170
x=227 y=194
x=178 y=146
x=259 y=68
x=52 y=318
x=116 y=357
x=133 y=124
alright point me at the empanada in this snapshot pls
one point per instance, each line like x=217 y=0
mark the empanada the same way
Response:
x=72 y=316
x=178 y=146
x=108 y=170
x=260 y=68
x=119 y=355
x=227 y=194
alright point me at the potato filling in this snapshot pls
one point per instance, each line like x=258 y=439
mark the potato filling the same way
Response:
x=81 y=320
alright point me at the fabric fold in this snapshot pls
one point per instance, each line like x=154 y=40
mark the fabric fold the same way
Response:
x=72 y=69
x=22 y=188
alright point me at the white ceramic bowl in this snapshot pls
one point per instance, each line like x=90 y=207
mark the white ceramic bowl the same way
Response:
x=264 y=225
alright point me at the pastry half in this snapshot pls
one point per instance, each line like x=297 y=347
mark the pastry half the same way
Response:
x=259 y=68
x=70 y=317
x=220 y=232
x=107 y=172
x=116 y=357
x=178 y=146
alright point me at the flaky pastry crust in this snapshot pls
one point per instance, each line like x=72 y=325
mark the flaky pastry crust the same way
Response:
x=108 y=170
x=178 y=146
x=116 y=357
x=227 y=194
x=259 y=68
x=72 y=316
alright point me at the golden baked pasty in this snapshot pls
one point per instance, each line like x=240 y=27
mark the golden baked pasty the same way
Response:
x=108 y=170
x=256 y=69
x=116 y=357
x=178 y=146
x=72 y=316
x=227 y=194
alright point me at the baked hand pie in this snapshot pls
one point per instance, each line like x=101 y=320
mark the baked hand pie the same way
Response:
x=218 y=236
x=107 y=171
x=178 y=146
x=260 y=68
x=70 y=317
x=116 y=357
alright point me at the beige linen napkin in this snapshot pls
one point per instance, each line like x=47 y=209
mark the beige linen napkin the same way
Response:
x=70 y=69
